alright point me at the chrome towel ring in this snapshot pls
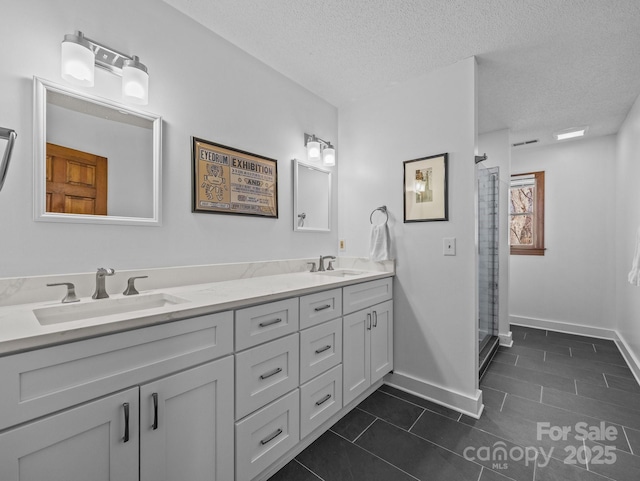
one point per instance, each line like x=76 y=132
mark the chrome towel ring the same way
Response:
x=383 y=209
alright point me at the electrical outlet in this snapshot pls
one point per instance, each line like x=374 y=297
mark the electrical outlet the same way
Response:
x=449 y=246
x=342 y=245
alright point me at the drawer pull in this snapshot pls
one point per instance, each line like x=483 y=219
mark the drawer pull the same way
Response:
x=375 y=319
x=271 y=437
x=271 y=373
x=368 y=321
x=323 y=400
x=322 y=349
x=154 y=396
x=269 y=323
x=126 y=422
x=322 y=308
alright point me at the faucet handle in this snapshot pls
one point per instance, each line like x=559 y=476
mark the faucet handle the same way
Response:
x=71 y=292
x=131 y=288
x=313 y=266
x=330 y=268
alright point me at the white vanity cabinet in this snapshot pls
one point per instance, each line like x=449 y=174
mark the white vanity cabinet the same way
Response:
x=82 y=443
x=367 y=336
x=100 y=400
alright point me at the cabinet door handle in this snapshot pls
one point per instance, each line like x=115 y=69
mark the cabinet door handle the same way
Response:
x=322 y=349
x=154 y=396
x=269 y=323
x=271 y=437
x=369 y=321
x=323 y=400
x=271 y=373
x=126 y=422
x=322 y=308
x=375 y=319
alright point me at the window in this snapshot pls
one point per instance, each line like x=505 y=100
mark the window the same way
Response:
x=526 y=214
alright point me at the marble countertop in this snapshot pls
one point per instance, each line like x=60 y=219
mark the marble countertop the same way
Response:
x=20 y=329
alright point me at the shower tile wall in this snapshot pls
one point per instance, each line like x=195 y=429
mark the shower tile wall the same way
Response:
x=488 y=186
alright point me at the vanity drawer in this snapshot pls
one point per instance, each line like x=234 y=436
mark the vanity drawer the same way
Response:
x=258 y=324
x=320 y=349
x=361 y=296
x=321 y=307
x=266 y=435
x=43 y=381
x=265 y=373
x=320 y=399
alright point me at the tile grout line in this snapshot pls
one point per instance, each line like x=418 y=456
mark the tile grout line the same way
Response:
x=417 y=419
x=541 y=389
x=517 y=357
x=544 y=358
x=375 y=455
x=503 y=401
x=459 y=418
x=575 y=383
x=584 y=446
x=480 y=475
x=308 y=469
x=625 y=435
x=605 y=380
x=525 y=337
x=594 y=348
x=364 y=430
x=570 y=353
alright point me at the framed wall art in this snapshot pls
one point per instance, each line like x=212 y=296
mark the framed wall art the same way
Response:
x=425 y=189
x=231 y=181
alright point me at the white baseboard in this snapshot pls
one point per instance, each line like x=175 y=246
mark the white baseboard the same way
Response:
x=564 y=327
x=469 y=405
x=506 y=340
x=629 y=356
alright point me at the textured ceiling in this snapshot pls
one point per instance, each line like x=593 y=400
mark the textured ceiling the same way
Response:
x=543 y=65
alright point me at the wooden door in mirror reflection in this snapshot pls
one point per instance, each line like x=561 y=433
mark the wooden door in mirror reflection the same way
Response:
x=76 y=181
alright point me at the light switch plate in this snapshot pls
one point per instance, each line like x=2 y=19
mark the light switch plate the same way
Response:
x=449 y=246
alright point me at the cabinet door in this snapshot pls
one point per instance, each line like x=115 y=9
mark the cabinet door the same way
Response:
x=381 y=340
x=356 y=345
x=191 y=437
x=80 y=444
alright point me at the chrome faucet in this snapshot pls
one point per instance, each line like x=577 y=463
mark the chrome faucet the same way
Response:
x=321 y=264
x=101 y=292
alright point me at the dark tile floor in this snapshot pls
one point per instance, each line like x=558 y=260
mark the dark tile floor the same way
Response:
x=540 y=397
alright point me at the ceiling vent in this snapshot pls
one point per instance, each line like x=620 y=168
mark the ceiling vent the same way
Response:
x=526 y=142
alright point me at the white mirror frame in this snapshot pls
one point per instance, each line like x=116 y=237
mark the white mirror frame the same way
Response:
x=40 y=89
x=296 y=192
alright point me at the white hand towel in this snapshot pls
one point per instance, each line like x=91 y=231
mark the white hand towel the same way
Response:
x=380 y=243
x=634 y=275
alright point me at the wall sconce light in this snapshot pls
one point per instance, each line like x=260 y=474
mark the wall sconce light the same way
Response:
x=80 y=55
x=319 y=149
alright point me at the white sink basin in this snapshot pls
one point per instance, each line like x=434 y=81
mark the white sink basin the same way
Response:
x=341 y=273
x=90 y=309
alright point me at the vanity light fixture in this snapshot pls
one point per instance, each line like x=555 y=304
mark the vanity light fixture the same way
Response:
x=570 y=133
x=80 y=55
x=319 y=149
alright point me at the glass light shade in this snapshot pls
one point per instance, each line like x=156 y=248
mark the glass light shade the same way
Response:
x=135 y=82
x=329 y=156
x=313 y=151
x=78 y=61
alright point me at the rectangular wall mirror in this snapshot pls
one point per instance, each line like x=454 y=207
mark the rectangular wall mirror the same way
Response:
x=311 y=198
x=95 y=161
